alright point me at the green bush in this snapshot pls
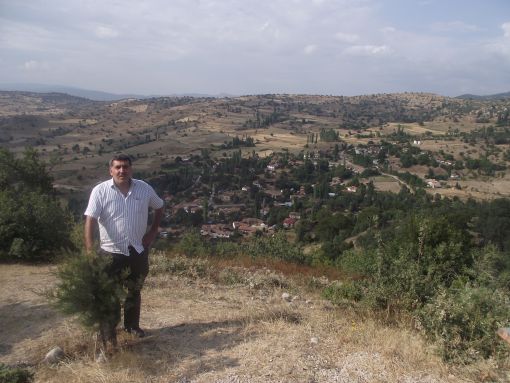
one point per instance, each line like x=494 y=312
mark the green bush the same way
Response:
x=15 y=374
x=492 y=268
x=33 y=225
x=226 y=249
x=425 y=267
x=405 y=270
x=192 y=245
x=342 y=292
x=84 y=289
x=463 y=322
x=276 y=246
x=358 y=262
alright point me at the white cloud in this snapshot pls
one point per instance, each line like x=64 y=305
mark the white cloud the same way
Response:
x=105 y=32
x=265 y=26
x=34 y=65
x=30 y=65
x=388 y=30
x=506 y=29
x=309 y=49
x=500 y=47
x=367 y=50
x=154 y=46
x=23 y=36
x=346 y=37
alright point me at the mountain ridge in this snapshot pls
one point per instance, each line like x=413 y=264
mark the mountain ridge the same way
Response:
x=496 y=96
x=91 y=94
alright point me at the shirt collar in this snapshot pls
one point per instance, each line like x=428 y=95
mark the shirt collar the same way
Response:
x=111 y=184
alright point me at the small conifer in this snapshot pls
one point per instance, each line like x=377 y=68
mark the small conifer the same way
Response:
x=85 y=289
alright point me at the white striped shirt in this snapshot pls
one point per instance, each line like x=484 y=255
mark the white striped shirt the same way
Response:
x=122 y=219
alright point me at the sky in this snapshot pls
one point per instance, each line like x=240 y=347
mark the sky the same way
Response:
x=246 y=47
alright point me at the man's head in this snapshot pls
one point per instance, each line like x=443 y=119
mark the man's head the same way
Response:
x=120 y=157
x=121 y=170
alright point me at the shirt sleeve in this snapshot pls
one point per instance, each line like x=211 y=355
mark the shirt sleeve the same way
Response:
x=154 y=201
x=94 y=207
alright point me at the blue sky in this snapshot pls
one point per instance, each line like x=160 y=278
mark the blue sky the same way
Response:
x=337 y=47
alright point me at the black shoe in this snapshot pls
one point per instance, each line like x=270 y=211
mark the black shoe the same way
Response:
x=136 y=331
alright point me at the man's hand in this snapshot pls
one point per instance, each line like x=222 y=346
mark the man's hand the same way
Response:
x=148 y=238
x=151 y=235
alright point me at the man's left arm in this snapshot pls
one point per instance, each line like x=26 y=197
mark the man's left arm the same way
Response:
x=151 y=235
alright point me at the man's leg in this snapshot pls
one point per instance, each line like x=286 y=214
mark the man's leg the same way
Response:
x=139 y=268
x=114 y=271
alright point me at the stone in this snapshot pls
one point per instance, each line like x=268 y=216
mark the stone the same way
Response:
x=54 y=356
x=314 y=340
x=101 y=357
x=504 y=333
x=286 y=297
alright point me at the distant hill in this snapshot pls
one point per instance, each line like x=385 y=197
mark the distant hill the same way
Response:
x=497 y=96
x=94 y=95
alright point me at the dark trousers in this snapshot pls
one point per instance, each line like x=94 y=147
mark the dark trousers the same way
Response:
x=131 y=271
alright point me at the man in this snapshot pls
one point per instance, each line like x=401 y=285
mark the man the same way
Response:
x=120 y=208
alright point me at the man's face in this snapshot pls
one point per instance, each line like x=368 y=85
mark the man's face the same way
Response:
x=121 y=172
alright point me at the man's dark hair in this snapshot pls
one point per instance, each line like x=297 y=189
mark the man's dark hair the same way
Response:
x=120 y=157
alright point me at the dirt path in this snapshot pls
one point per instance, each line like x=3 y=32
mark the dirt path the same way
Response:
x=203 y=332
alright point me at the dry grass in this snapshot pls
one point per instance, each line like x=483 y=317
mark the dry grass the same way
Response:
x=204 y=331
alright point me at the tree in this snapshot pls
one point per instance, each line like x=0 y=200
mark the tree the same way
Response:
x=84 y=288
x=33 y=225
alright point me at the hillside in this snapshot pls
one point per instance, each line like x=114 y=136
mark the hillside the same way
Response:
x=76 y=92
x=489 y=97
x=78 y=136
x=224 y=323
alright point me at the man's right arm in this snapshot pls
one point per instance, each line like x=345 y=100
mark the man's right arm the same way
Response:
x=90 y=229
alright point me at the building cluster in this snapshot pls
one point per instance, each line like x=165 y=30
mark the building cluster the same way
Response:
x=226 y=213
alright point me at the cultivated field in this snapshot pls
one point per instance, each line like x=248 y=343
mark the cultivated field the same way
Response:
x=79 y=136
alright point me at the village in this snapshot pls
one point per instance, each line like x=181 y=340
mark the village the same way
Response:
x=236 y=197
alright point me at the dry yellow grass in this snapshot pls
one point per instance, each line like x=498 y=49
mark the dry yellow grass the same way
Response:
x=204 y=331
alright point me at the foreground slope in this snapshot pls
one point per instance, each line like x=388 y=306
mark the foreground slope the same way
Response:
x=232 y=326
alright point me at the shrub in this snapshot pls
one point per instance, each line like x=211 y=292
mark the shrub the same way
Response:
x=343 y=292
x=15 y=374
x=405 y=271
x=192 y=245
x=263 y=279
x=226 y=249
x=358 y=262
x=231 y=277
x=424 y=267
x=85 y=289
x=277 y=247
x=463 y=322
x=492 y=268
x=33 y=225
